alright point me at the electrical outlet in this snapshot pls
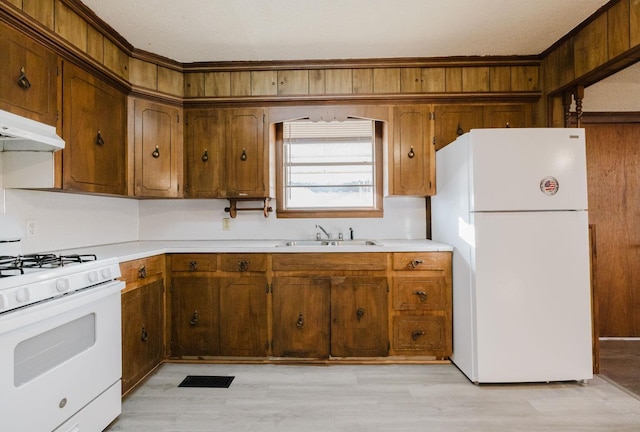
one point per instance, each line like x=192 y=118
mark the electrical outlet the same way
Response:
x=32 y=228
x=226 y=224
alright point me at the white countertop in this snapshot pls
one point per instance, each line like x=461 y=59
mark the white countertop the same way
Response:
x=141 y=249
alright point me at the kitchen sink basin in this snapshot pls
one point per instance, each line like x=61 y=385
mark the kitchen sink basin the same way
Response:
x=310 y=243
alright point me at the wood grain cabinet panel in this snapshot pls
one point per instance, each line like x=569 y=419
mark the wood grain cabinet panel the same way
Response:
x=157 y=150
x=420 y=293
x=194 y=262
x=28 y=77
x=204 y=152
x=95 y=131
x=451 y=121
x=421 y=334
x=243 y=262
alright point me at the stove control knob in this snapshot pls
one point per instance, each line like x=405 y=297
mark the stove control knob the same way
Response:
x=93 y=276
x=62 y=285
x=22 y=295
x=106 y=273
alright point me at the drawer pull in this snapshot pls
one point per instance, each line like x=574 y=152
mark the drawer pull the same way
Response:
x=300 y=322
x=194 y=318
x=415 y=263
x=145 y=335
x=205 y=156
x=156 y=153
x=99 y=139
x=243 y=265
x=421 y=295
x=142 y=272
x=359 y=314
x=193 y=266
x=416 y=334
x=23 y=81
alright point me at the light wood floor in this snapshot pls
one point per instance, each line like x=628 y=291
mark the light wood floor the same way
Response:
x=345 y=398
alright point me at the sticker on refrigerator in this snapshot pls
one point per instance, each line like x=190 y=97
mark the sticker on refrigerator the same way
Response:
x=549 y=185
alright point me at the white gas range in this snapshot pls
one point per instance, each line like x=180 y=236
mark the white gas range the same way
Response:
x=60 y=340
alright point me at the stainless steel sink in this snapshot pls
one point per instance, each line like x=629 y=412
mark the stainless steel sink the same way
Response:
x=311 y=243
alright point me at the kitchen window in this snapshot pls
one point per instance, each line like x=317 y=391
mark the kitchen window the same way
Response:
x=329 y=169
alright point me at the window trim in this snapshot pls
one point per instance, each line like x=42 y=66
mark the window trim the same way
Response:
x=376 y=212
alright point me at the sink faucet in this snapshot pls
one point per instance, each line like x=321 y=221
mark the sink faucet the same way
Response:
x=324 y=231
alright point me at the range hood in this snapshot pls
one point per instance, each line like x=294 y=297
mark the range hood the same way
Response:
x=19 y=133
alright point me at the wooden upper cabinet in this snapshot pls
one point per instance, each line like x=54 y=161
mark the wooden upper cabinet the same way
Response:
x=28 y=75
x=204 y=147
x=157 y=137
x=503 y=116
x=95 y=131
x=246 y=171
x=413 y=160
x=451 y=121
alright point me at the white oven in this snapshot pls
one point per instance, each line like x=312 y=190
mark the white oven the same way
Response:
x=60 y=343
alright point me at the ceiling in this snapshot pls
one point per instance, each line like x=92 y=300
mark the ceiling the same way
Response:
x=251 y=30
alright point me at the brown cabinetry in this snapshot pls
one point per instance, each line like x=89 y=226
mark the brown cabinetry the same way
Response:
x=28 y=77
x=421 y=303
x=451 y=121
x=227 y=153
x=157 y=142
x=413 y=159
x=142 y=319
x=94 y=128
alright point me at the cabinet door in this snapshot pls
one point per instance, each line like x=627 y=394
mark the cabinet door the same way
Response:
x=413 y=159
x=142 y=318
x=157 y=149
x=502 y=116
x=451 y=121
x=359 y=317
x=204 y=146
x=28 y=74
x=194 y=321
x=301 y=317
x=246 y=168
x=243 y=316
x=94 y=129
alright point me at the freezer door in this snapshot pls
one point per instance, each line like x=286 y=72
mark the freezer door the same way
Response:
x=532 y=294
x=527 y=169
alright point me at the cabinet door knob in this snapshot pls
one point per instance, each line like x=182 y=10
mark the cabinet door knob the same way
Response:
x=193 y=266
x=411 y=153
x=359 y=314
x=415 y=263
x=142 y=272
x=156 y=153
x=416 y=334
x=145 y=335
x=243 y=156
x=99 y=139
x=300 y=321
x=194 y=318
x=422 y=295
x=205 y=155
x=23 y=81
x=243 y=265
x=459 y=131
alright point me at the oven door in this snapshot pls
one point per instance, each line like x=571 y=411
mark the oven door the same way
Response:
x=58 y=356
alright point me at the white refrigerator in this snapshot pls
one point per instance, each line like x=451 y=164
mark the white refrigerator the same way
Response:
x=513 y=204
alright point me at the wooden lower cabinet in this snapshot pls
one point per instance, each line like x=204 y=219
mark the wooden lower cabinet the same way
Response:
x=142 y=332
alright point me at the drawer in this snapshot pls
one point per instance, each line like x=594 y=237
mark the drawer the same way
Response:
x=193 y=262
x=422 y=261
x=420 y=293
x=141 y=270
x=243 y=262
x=421 y=333
x=329 y=261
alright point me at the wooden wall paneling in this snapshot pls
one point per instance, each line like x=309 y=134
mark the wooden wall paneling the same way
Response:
x=499 y=78
x=40 y=10
x=433 y=80
x=410 y=80
x=293 y=82
x=316 y=81
x=241 y=83
x=634 y=23
x=559 y=68
x=16 y=3
x=386 y=80
x=475 y=79
x=170 y=81
x=70 y=26
x=143 y=74
x=194 y=84
x=590 y=46
x=263 y=83
x=525 y=78
x=217 y=84
x=362 y=81
x=453 y=79
x=339 y=81
x=115 y=59
x=618 y=28
x=95 y=44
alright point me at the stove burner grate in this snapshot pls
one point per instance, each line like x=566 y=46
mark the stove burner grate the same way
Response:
x=15 y=265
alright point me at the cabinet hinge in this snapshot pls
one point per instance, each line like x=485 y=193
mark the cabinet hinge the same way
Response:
x=57 y=70
x=171 y=344
x=388 y=345
x=186 y=120
x=433 y=141
x=264 y=118
x=268 y=288
x=387 y=286
x=430 y=185
x=177 y=118
x=432 y=115
x=57 y=116
x=171 y=288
